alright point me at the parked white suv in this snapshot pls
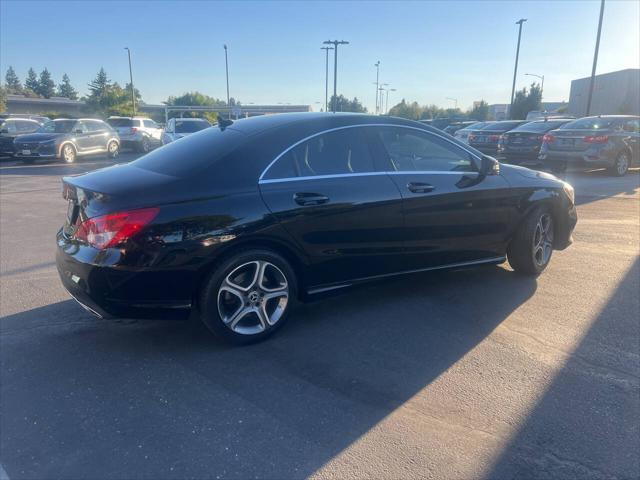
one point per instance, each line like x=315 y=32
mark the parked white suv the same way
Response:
x=181 y=127
x=139 y=133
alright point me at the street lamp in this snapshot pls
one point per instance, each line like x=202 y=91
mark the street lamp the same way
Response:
x=226 y=64
x=541 y=77
x=377 y=65
x=515 y=70
x=387 y=101
x=335 y=44
x=382 y=90
x=133 y=95
x=455 y=100
x=326 y=76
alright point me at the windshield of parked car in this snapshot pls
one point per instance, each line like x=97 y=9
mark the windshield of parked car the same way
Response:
x=120 y=122
x=539 y=126
x=190 y=126
x=589 y=123
x=57 y=126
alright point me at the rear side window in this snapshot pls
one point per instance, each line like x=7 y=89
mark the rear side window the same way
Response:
x=344 y=151
x=95 y=126
x=149 y=124
x=200 y=150
x=632 y=126
x=10 y=126
x=413 y=150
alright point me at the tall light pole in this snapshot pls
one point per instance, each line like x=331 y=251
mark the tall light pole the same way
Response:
x=595 y=59
x=386 y=110
x=335 y=44
x=377 y=65
x=382 y=90
x=515 y=70
x=133 y=94
x=326 y=77
x=455 y=100
x=226 y=64
x=541 y=77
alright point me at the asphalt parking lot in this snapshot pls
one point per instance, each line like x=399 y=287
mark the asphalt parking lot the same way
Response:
x=476 y=373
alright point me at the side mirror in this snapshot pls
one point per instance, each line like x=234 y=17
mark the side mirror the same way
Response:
x=489 y=166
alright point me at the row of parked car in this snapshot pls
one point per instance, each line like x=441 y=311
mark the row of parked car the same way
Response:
x=555 y=143
x=31 y=138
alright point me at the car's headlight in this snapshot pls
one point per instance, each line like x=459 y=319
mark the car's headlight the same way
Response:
x=568 y=189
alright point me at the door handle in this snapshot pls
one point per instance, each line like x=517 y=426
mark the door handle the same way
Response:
x=419 y=187
x=307 y=198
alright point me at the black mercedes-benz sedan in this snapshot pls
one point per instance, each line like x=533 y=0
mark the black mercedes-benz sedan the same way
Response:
x=243 y=219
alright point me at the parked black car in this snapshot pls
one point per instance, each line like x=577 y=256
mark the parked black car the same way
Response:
x=68 y=139
x=522 y=144
x=11 y=128
x=243 y=219
x=454 y=127
x=486 y=139
x=610 y=141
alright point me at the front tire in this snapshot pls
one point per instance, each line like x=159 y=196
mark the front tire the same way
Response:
x=113 y=149
x=248 y=296
x=68 y=153
x=531 y=247
x=620 y=166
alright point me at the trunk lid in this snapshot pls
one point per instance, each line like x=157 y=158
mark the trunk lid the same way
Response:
x=567 y=140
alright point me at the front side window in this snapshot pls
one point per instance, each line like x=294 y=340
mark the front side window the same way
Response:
x=413 y=150
x=95 y=126
x=632 y=126
x=344 y=151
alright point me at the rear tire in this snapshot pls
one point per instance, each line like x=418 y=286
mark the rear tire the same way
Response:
x=248 y=296
x=68 y=153
x=144 y=146
x=531 y=247
x=620 y=166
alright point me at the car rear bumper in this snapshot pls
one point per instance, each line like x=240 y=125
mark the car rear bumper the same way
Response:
x=486 y=148
x=576 y=159
x=103 y=289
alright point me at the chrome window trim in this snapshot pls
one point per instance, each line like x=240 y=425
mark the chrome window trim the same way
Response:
x=365 y=125
x=365 y=174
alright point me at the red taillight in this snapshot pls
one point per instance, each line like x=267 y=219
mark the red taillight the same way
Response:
x=538 y=137
x=114 y=228
x=471 y=137
x=494 y=138
x=134 y=130
x=596 y=139
x=548 y=138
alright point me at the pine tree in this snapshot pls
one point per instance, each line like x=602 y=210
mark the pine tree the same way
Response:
x=65 y=89
x=100 y=84
x=13 y=82
x=31 y=83
x=46 y=85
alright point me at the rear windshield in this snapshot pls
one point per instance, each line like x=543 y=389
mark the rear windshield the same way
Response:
x=593 y=123
x=120 y=122
x=186 y=156
x=539 y=126
x=501 y=126
x=57 y=126
x=190 y=126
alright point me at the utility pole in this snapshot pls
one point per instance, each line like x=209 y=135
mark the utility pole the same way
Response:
x=382 y=90
x=595 y=60
x=226 y=64
x=133 y=92
x=377 y=65
x=335 y=44
x=515 y=70
x=326 y=77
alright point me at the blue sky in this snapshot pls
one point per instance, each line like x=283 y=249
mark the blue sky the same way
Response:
x=428 y=50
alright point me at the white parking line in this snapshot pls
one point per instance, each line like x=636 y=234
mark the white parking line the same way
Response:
x=3 y=474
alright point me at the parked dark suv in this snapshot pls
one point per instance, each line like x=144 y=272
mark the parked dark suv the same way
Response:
x=10 y=128
x=522 y=144
x=68 y=139
x=609 y=141
x=486 y=139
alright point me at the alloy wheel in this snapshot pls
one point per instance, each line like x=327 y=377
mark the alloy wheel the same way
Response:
x=68 y=153
x=543 y=240
x=622 y=164
x=113 y=149
x=253 y=297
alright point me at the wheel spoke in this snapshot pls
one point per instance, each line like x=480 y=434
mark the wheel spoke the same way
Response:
x=263 y=317
x=232 y=284
x=238 y=315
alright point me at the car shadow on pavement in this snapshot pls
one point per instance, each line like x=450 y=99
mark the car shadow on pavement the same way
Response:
x=599 y=184
x=86 y=398
x=596 y=434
